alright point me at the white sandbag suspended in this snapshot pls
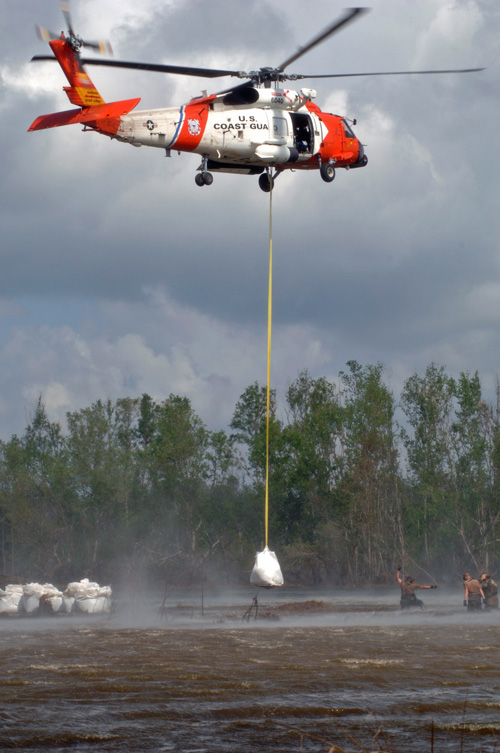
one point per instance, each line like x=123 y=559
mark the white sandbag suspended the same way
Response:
x=266 y=571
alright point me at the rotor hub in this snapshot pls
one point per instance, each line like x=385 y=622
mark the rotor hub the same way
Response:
x=75 y=42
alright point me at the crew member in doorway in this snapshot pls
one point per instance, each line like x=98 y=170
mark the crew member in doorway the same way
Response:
x=490 y=591
x=408 y=588
x=473 y=593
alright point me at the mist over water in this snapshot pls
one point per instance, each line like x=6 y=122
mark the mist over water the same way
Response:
x=160 y=674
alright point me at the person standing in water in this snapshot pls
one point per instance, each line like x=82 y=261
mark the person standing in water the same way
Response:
x=473 y=593
x=490 y=591
x=408 y=588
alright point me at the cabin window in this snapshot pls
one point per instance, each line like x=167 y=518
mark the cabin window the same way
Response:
x=280 y=127
x=348 y=130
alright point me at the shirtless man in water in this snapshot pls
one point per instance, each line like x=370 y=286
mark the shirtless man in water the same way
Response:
x=473 y=593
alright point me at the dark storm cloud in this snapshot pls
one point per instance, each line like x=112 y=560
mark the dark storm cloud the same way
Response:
x=119 y=274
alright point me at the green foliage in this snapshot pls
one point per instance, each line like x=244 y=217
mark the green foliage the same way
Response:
x=370 y=470
x=350 y=492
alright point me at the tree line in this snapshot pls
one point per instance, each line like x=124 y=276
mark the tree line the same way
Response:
x=359 y=482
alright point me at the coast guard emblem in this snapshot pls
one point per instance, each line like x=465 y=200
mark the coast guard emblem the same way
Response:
x=194 y=127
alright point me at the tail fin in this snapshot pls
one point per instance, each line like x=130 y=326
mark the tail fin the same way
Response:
x=81 y=91
x=94 y=112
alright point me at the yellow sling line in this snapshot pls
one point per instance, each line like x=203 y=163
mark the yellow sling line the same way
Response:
x=269 y=327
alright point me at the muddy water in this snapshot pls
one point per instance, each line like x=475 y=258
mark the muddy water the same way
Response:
x=312 y=670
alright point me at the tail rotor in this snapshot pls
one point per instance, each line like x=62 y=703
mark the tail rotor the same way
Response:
x=74 y=41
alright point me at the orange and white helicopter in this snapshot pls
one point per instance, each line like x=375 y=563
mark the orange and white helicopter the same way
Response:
x=255 y=127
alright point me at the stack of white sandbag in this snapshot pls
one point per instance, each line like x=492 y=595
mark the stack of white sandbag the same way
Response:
x=53 y=600
x=46 y=598
x=32 y=593
x=35 y=598
x=266 y=572
x=89 y=597
x=11 y=599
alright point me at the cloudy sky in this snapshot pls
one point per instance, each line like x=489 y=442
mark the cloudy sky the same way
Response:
x=120 y=276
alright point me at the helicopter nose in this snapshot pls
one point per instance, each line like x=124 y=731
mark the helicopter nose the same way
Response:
x=362 y=160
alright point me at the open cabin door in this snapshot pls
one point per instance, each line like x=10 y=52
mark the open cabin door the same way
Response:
x=303 y=132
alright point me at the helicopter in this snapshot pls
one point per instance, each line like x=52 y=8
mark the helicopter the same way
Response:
x=257 y=127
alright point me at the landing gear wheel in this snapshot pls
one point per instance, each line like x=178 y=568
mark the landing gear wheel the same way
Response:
x=266 y=182
x=327 y=172
x=204 y=179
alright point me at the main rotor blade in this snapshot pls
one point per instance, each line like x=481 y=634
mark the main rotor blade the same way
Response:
x=385 y=73
x=159 y=68
x=38 y=58
x=235 y=88
x=349 y=16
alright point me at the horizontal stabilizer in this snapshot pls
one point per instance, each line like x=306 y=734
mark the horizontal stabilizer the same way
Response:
x=89 y=115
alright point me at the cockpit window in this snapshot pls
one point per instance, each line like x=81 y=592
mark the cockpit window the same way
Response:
x=348 y=130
